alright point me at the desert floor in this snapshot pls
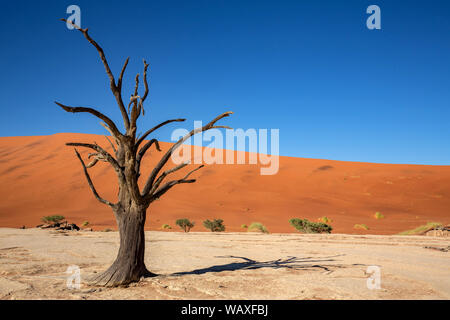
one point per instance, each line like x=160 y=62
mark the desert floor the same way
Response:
x=197 y=265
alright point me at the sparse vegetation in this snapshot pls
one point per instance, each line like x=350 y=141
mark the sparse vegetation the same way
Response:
x=215 y=226
x=108 y=230
x=244 y=226
x=306 y=226
x=325 y=220
x=52 y=219
x=378 y=215
x=257 y=226
x=361 y=226
x=166 y=227
x=421 y=229
x=185 y=224
x=85 y=224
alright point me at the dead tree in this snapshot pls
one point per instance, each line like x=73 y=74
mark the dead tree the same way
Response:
x=131 y=207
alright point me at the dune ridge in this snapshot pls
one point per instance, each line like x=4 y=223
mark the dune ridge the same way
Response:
x=40 y=176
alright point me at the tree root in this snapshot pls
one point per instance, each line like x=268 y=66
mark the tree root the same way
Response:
x=119 y=276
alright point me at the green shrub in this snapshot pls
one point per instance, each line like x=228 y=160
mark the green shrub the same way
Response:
x=215 y=226
x=378 y=215
x=166 y=227
x=421 y=229
x=85 y=224
x=258 y=226
x=305 y=226
x=52 y=219
x=244 y=226
x=185 y=224
x=361 y=226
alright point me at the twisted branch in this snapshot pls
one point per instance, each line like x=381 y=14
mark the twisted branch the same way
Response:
x=166 y=157
x=115 y=89
x=91 y=185
x=111 y=126
x=142 y=138
x=101 y=151
x=170 y=184
x=142 y=153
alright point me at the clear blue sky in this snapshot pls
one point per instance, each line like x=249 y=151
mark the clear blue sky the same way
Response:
x=335 y=89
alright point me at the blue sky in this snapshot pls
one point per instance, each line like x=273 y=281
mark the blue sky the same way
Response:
x=335 y=89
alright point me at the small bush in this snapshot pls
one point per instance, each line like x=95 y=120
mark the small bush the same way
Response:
x=258 y=227
x=361 y=226
x=244 y=226
x=108 y=230
x=185 y=224
x=306 y=226
x=215 y=226
x=378 y=215
x=52 y=219
x=85 y=224
x=166 y=227
x=325 y=220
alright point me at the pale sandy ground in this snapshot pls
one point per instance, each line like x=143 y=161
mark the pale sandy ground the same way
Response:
x=228 y=266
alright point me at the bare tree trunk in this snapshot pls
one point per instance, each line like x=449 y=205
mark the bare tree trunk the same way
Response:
x=129 y=265
x=130 y=210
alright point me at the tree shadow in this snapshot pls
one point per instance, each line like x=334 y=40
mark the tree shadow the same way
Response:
x=323 y=263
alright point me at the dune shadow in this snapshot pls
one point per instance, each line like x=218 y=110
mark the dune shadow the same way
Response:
x=295 y=263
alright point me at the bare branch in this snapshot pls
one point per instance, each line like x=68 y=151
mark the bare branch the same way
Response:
x=91 y=185
x=167 y=172
x=135 y=96
x=167 y=187
x=97 y=157
x=139 y=103
x=112 y=145
x=115 y=89
x=112 y=127
x=155 y=128
x=166 y=157
x=192 y=171
x=142 y=153
x=146 y=88
x=92 y=163
x=170 y=184
x=221 y=127
x=119 y=82
x=100 y=150
x=112 y=135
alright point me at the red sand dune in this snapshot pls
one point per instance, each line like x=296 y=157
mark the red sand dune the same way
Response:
x=41 y=176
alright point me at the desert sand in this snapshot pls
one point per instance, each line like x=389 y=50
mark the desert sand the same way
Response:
x=40 y=176
x=199 y=265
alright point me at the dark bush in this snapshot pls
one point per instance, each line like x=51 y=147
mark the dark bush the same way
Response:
x=185 y=224
x=215 y=226
x=305 y=226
